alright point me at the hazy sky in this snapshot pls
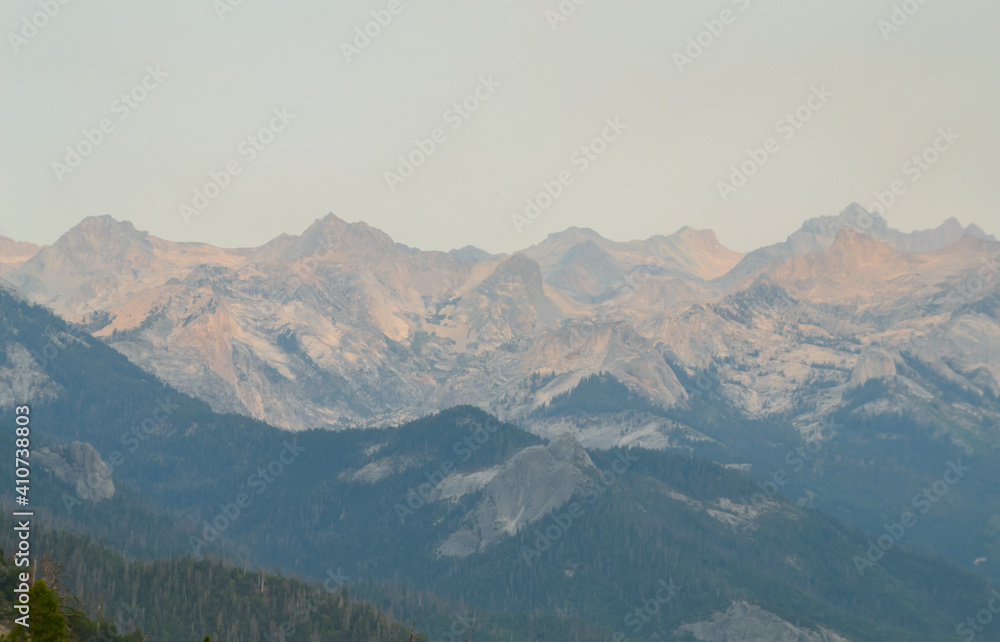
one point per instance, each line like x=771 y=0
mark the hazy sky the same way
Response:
x=545 y=88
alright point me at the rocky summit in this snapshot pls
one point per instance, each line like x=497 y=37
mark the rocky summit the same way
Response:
x=342 y=327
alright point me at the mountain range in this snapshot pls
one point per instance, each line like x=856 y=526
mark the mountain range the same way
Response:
x=342 y=327
x=588 y=352
x=453 y=517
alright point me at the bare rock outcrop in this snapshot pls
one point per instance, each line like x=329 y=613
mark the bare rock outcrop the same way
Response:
x=744 y=622
x=530 y=485
x=80 y=466
x=22 y=378
x=872 y=364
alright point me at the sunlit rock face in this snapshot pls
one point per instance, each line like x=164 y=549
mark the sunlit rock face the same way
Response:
x=342 y=327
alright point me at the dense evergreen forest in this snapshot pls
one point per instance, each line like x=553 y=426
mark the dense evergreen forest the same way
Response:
x=56 y=615
x=186 y=599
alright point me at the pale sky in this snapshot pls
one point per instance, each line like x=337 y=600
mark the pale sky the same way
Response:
x=549 y=89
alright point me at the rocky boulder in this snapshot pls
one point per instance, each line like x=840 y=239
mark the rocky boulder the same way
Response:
x=80 y=466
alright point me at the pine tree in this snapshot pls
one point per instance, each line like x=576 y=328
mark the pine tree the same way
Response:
x=47 y=623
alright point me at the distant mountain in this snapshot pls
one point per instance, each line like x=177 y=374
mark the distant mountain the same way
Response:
x=102 y=260
x=14 y=253
x=470 y=254
x=340 y=326
x=541 y=537
x=592 y=268
x=819 y=233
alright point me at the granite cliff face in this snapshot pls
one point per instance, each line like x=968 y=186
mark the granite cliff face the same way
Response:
x=744 y=622
x=79 y=465
x=337 y=327
x=23 y=372
x=529 y=486
x=342 y=327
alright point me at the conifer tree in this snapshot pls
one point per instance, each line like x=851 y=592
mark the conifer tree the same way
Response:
x=47 y=623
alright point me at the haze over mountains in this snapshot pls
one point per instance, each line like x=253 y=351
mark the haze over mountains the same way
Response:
x=14 y=253
x=340 y=326
x=534 y=540
x=876 y=349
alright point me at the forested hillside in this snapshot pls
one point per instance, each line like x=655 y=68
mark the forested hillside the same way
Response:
x=186 y=599
x=326 y=502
